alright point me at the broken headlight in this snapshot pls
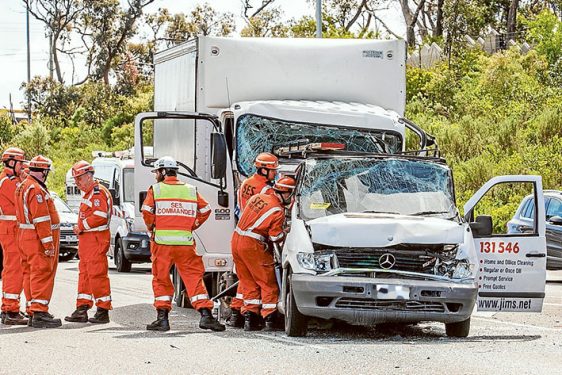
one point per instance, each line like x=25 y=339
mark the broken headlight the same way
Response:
x=448 y=265
x=316 y=262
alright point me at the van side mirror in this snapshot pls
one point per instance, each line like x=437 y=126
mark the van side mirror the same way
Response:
x=555 y=220
x=142 y=197
x=218 y=156
x=482 y=227
x=115 y=197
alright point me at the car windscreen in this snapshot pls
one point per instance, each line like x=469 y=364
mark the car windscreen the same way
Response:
x=369 y=185
x=128 y=185
x=257 y=134
x=105 y=174
x=61 y=206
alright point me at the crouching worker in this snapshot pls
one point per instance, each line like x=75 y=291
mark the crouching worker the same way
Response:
x=262 y=221
x=172 y=210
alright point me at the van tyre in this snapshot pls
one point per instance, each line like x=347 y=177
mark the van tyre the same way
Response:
x=121 y=263
x=458 y=329
x=296 y=324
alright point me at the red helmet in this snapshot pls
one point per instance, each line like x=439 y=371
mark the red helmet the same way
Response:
x=13 y=153
x=40 y=162
x=266 y=160
x=80 y=168
x=285 y=184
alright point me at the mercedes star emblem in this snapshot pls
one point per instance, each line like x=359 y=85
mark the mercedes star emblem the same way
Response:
x=387 y=261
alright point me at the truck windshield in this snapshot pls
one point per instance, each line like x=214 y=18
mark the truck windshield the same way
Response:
x=128 y=185
x=257 y=134
x=368 y=185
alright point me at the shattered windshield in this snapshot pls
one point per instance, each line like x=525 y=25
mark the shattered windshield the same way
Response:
x=367 y=185
x=257 y=134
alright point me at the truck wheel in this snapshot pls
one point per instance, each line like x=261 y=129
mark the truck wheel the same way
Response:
x=67 y=255
x=458 y=329
x=296 y=324
x=180 y=296
x=121 y=263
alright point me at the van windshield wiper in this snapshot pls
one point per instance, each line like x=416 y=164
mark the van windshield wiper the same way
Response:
x=429 y=213
x=380 y=212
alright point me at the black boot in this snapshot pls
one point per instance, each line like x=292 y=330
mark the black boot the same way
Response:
x=208 y=322
x=44 y=320
x=161 y=323
x=101 y=316
x=2 y=317
x=273 y=322
x=80 y=315
x=252 y=322
x=236 y=319
x=15 y=319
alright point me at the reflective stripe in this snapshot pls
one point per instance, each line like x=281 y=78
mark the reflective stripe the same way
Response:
x=269 y=306
x=163 y=298
x=87 y=202
x=248 y=233
x=205 y=209
x=146 y=207
x=265 y=189
x=40 y=301
x=173 y=237
x=27 y=226
x=10 y=295
x=41 y=219
x=277 y=238
x=98 y=229
x=239 y=296
x=85 y=224
x=85 y=296
x=55 y=226
x=47 y=239
x=8 y=217
x=199 y=297
x=25 y=209
x=101 y=214
x=104 y=299
x=263 y=217
x=252 y=302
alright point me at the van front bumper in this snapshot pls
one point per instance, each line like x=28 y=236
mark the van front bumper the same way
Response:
x=136 y=247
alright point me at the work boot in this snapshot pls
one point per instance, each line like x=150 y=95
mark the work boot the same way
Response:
x=236 y=319
x=273 y=322
x=101 y=316
x=80 y=315
x=161 y=323
x=2 y=317
x=208 y=322
x=14 y=319
x=252 y=322
x=44 y=320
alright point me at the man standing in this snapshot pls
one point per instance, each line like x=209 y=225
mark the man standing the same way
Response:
x=38 y=238
x=259 y=183
x=261 y=221
x=93 y=242
x=12 y=278
x=172 y=210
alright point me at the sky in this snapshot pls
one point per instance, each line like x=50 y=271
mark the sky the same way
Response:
x=13 y=63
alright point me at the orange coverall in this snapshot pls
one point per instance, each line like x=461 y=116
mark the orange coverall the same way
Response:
x=93 y=242
x=12 y=278
x=39 y=237
x=189 y=264
x=262 y=220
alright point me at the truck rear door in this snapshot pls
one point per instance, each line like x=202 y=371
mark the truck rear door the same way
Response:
x=511 y=270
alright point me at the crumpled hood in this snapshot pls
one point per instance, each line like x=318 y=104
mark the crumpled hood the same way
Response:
x=381 y=230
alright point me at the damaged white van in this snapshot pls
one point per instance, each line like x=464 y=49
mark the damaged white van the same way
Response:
x=378 y=239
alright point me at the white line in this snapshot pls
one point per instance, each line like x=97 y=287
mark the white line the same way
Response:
x=290 y=341
x=552 y=304
x=559 y=330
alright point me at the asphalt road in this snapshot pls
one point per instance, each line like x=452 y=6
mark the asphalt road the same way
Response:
x=503 y=343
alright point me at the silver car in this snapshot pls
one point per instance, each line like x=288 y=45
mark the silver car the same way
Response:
x=68 y=240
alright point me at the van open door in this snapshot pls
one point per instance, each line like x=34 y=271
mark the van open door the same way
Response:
x=511 y=270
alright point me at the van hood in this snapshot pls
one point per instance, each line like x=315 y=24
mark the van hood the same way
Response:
x=68 y=218
x=382 y=230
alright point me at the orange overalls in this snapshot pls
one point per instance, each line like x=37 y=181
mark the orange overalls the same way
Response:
x=255 y=184
x=172 y=214
x=38 y=237
x=93 y=242
x=12 y=278
x=262 y=220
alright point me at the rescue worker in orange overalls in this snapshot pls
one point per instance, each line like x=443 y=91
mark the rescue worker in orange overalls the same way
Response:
x=93 y=242
x=12 y=278
x=172 y=210
x=262 y=221
x=259 y=183
x=38 y=239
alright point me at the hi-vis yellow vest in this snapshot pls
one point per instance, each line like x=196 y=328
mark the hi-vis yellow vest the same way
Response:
x=176 y=210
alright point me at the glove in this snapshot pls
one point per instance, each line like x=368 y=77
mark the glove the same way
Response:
x=50 y=252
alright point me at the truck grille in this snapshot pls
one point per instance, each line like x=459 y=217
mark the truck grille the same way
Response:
x=405 y=260
x=389 y=305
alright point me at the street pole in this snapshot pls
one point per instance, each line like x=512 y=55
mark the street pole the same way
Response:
x=319 y=18
x=51 y=67
x=28 y=66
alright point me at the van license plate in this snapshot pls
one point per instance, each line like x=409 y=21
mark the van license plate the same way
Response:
x=71 y=239
x=393 y=292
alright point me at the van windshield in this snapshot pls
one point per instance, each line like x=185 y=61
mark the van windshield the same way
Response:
x=257 y=134
x=368 y=185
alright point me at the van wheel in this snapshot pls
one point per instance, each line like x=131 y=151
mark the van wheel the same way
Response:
x=121 y=263
x=296 y=324
x=67 y=255
x=458 y=329
x=180 y=295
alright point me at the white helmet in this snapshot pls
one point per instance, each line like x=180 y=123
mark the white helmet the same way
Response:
x=166 y=162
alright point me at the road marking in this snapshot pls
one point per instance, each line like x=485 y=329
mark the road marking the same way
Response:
x=290 y=341
x=552 y=304
x=519 y=324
